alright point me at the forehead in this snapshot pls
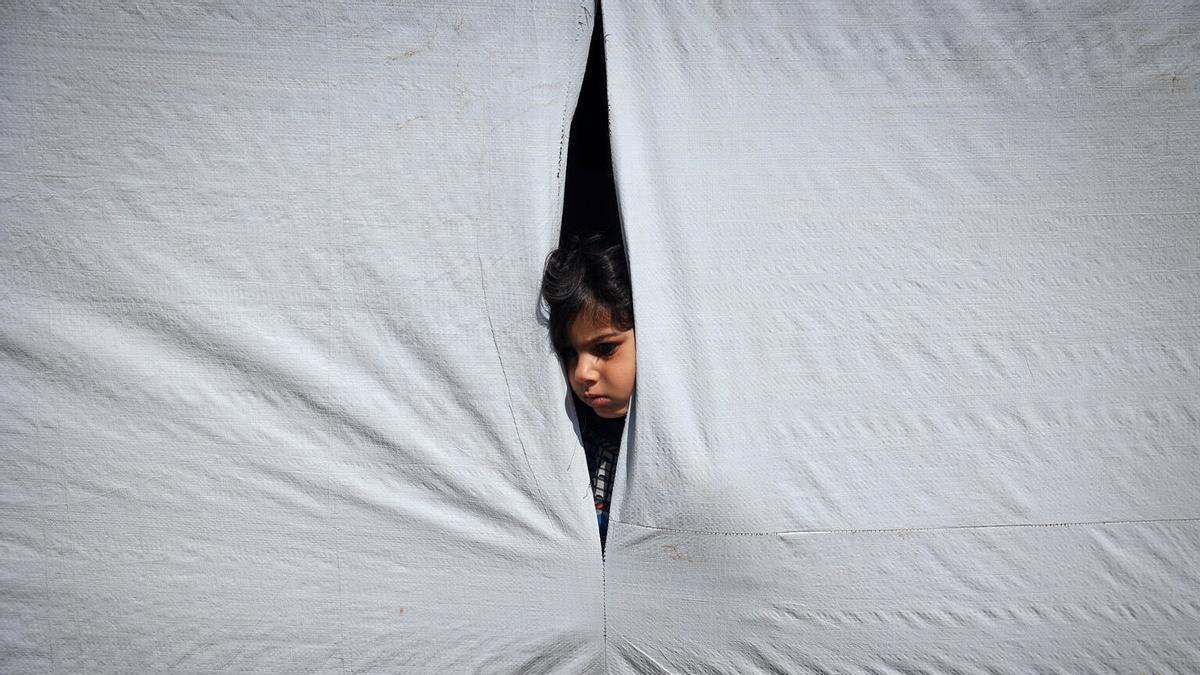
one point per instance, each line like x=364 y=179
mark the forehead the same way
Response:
x=590 y=324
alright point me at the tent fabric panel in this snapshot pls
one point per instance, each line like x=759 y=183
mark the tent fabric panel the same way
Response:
x=276 y=396
x=906 y=268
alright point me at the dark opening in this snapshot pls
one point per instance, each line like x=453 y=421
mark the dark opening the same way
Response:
x=590 y=200
x=590 y=206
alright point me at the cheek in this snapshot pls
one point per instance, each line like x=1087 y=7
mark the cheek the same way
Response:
x=628 y=373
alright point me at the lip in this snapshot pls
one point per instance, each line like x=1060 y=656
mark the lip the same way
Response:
x=596 y=400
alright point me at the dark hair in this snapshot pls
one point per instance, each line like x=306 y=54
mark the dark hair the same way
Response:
x=586 y=273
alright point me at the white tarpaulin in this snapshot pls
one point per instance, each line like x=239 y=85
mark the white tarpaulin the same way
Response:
x=275 y=396
x=918 y=337
x=917 y=329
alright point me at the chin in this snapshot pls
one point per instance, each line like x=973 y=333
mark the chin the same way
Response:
x=609 y=415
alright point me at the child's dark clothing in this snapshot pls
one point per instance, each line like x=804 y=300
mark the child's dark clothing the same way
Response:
x=601 y=444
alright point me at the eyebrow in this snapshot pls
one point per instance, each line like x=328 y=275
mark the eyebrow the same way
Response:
x=601 y=337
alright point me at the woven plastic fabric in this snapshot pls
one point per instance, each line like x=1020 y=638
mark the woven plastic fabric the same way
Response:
x=275 y=393
x=918 y=337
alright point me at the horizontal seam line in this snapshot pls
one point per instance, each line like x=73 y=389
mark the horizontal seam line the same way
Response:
x=914 y=529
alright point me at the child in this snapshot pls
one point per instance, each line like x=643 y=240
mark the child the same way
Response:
x=586 y=285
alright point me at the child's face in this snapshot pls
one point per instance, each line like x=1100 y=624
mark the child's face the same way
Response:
x=601 y=364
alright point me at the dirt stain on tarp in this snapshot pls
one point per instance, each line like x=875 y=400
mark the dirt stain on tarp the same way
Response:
x=408 y=53
x=674 y=553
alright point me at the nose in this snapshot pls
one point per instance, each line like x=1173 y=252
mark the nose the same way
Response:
x=585 y=370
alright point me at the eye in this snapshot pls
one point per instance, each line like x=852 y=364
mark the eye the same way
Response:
x=606 y=348
x=566 y=353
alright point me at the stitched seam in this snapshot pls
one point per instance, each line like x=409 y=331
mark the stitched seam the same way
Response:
x=604 y=604
x=916 y=529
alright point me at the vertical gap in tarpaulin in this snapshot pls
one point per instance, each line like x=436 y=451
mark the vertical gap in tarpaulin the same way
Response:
x=587 y=200
x=589 y=205
x=590 y=201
